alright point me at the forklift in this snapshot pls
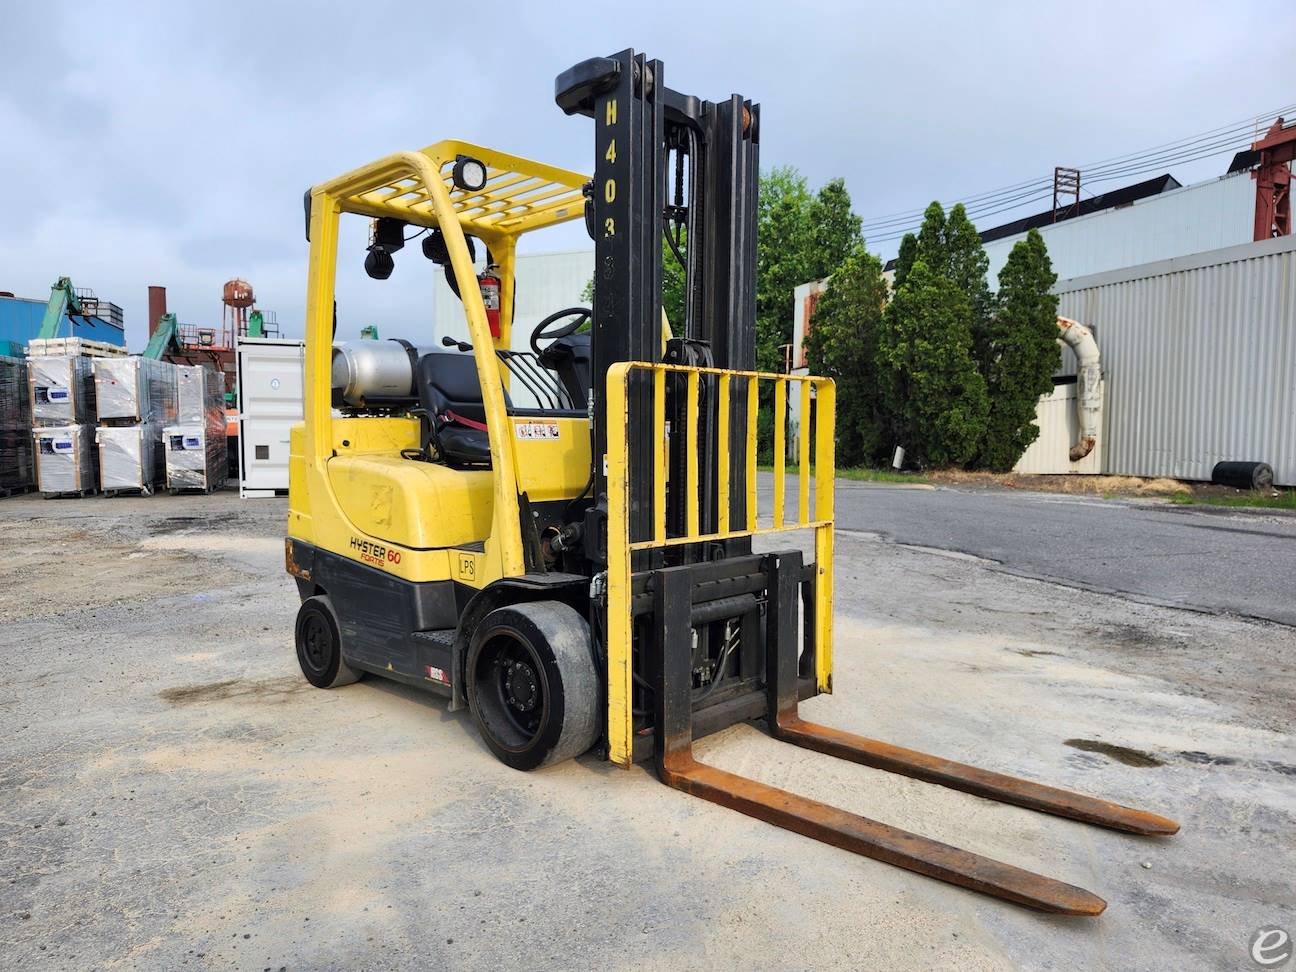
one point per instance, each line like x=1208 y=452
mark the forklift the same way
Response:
x=564 y=538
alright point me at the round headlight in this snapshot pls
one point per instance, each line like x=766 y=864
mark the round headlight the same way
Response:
x=469 y=174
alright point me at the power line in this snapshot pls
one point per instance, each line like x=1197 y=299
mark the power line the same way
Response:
x=1219 y=139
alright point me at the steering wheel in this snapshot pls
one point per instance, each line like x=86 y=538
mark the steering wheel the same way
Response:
x=579 y=316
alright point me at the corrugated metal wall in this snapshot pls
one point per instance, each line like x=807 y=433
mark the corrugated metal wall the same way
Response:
x=1199 y=358
x=1059 y=427
x=546 y=282
x=20 y=321
x=1194 y=219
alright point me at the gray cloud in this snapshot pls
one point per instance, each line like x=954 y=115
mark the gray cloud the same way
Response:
x=170 y=143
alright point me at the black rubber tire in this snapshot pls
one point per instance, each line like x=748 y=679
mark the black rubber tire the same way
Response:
x=548 y=643
x=319 y=645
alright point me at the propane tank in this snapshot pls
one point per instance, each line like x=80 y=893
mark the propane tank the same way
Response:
x=489 y=282
x=372 y=370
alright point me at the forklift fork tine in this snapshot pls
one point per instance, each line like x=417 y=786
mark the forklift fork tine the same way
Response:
x=790 y=727
x=677 y=767
x=786 y=724
x=869 y=838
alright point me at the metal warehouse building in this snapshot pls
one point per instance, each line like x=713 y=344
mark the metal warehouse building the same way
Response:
x=1153 y=220
x=546 y=282
x=1198 y=359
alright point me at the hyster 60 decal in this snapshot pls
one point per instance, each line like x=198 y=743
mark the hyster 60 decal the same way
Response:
x=375 y=553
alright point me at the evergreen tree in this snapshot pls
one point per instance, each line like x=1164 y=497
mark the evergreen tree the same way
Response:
x=930 y=245
x=931 y=386
x=1022 y=351
x=905 y=259
x=843 y=345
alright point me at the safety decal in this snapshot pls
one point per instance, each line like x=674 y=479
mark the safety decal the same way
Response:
x=537 y=430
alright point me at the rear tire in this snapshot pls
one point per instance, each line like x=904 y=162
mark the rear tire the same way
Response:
x=532 y=685
x=319 y=645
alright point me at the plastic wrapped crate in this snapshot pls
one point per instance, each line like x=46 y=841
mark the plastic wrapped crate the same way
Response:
x=195 y=457
x=17 y=473
x=61 y=390
x=201 y=390
x=135 y=390
x=130 y=457
x=65 y=460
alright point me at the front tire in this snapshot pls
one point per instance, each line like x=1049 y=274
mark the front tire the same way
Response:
x=532 y=685
x=319 y=645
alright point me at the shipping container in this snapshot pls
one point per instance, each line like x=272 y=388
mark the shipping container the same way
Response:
x=271 y=386
x=1199 y=360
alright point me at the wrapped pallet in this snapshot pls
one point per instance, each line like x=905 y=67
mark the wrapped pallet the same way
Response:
x=135 y=389
x=201 y=389
x=65 y=459
x=130 y=457
x=196 y=458
x=195 y=447
x=61 y=390
x=17 y=473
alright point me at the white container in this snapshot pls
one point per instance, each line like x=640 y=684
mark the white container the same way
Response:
x=271 y=383
x=65 y=460
x=130 y=457
x=135 y=389
x=61 y=390
x=196 y=458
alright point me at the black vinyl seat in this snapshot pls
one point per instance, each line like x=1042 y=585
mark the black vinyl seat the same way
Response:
x=450 y=393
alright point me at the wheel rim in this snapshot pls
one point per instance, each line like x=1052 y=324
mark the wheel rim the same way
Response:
x=511 y=693
x=317 y=643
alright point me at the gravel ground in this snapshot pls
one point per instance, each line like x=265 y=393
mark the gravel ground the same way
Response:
x=174 y=795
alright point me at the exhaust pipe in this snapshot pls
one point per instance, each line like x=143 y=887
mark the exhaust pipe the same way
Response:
x=1088 y=374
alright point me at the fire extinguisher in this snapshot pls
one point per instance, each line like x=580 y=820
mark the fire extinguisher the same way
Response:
x=490 y=294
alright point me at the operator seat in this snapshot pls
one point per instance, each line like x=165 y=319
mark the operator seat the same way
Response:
x=450 y=394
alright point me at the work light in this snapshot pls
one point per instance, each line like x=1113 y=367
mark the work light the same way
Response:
x=468 y=174
x=379 y=264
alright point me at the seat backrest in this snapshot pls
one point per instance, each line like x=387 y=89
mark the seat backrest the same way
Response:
x=570 y=358
x=447 y=382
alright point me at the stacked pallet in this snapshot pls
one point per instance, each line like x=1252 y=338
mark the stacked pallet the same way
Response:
x=17 y=474
x=195 y=446
x=135 y=400
x=61 y=394
x=74 y=347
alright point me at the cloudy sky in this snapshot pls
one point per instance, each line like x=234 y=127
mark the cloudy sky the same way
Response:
x=170 y=143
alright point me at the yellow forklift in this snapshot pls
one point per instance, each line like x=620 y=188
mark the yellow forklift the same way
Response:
x=561 y=537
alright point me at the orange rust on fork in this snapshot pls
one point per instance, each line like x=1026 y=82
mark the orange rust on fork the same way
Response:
x=790 y=727
x=677 y=767
x=869 y=838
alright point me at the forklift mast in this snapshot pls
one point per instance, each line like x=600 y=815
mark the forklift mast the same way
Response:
x=696 y=630
x=676 y=169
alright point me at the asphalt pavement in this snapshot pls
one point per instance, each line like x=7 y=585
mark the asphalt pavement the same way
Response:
x=1192 y=557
